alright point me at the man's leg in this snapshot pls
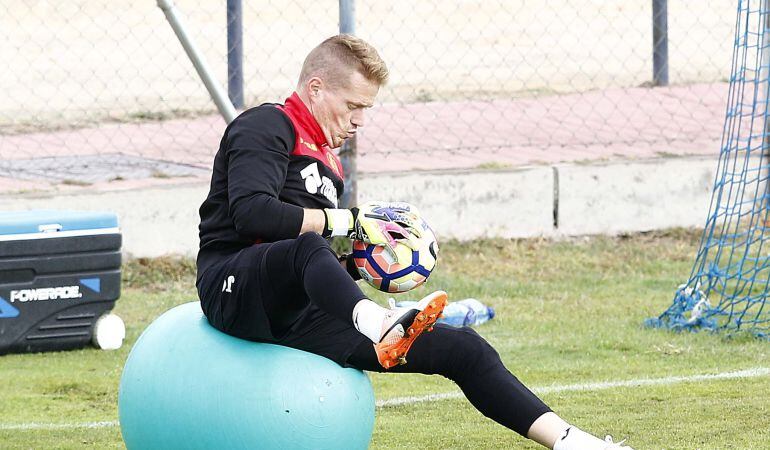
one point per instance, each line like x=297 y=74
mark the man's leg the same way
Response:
x=464 y=357
x=259 y=292
x=310 y=262
x=266 y=288
x=459 y=354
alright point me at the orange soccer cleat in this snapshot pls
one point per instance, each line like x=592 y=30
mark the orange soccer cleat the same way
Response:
x=403 y=325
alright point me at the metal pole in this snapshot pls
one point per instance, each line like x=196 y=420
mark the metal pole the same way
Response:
x=235 y=52
x=660 y=42
x=349 y=148
x=215 y=90
x=764 y=79
x=347 y=17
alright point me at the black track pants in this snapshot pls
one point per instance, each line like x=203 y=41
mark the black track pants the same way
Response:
x=464 y=357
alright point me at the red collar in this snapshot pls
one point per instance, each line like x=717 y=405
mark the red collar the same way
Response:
x=296 y=108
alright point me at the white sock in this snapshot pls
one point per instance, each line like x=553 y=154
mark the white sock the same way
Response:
x=573 y=438
x=368 y=317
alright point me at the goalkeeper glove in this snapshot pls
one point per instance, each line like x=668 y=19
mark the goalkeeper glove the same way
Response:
x=376 y=223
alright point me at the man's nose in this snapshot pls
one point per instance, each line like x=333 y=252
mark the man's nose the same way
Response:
x=357 y=119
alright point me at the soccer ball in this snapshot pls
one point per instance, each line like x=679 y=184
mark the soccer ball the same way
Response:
x=400 y=270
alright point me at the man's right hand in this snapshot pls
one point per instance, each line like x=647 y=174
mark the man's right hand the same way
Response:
x=376 y=223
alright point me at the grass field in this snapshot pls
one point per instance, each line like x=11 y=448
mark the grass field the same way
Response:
x=568 y=312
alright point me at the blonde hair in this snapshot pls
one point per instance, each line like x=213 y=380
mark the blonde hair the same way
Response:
x=334 y=59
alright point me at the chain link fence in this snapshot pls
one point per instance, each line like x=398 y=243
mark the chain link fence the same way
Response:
x=102 y=92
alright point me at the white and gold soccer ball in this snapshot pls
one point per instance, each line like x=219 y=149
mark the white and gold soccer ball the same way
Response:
x=401 y=269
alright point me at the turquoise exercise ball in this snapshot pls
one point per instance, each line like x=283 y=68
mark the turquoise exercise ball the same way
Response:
x=187 y=385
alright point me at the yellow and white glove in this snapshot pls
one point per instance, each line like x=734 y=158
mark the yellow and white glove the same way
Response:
x=376 y=223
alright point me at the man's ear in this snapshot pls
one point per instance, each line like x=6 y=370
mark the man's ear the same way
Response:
x=314 y=87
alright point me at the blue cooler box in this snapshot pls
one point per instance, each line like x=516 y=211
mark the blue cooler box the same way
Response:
x=59 y=274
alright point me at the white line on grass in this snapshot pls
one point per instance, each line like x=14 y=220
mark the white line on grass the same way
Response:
x=55 y=426
x=400 y=401
x=748 y=373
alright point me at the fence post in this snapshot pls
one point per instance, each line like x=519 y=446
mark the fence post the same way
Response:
x=348 y=150
x=660 y=42
x=215 y=90
x=235 y=52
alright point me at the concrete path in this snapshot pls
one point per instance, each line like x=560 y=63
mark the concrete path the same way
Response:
x=607 y=125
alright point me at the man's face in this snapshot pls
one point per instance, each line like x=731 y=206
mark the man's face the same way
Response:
x=340 y=111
